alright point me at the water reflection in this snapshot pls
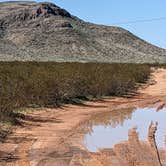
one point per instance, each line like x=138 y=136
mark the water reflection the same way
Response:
x=113 y=118
x=108 y=129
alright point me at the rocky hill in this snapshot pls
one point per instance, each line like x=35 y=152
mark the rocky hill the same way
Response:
x=45 y=32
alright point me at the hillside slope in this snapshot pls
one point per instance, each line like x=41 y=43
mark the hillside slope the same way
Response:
x=45 y=32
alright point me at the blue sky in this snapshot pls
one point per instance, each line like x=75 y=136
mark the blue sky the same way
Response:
x=109 y=12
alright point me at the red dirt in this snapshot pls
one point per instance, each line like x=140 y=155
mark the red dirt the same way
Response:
x=50 y=137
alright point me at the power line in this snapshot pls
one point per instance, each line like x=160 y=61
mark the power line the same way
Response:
x=140 y=21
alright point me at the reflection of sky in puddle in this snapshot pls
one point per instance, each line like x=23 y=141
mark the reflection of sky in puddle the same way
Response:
x=106 y=136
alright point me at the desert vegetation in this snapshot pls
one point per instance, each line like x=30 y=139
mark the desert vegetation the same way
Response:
x=25 y=36
x=49 y=84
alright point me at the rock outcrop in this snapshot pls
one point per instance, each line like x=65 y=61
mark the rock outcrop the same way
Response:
x=43 y=10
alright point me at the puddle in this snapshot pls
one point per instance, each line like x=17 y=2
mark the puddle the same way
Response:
x=106 y=130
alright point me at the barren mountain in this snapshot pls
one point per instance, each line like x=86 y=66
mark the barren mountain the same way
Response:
x=45 y=32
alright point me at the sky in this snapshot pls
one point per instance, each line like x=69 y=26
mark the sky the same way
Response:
x=114 y=12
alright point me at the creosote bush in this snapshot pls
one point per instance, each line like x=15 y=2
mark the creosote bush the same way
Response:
x=24 y=84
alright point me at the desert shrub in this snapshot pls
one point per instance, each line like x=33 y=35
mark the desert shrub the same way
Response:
x=24 y=84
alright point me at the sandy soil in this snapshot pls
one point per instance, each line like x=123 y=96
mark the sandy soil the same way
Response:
x=52 y=137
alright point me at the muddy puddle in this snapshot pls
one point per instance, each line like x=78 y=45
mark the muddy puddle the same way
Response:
x=107 y=129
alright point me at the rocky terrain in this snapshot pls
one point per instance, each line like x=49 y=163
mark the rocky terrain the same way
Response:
x=45 y=32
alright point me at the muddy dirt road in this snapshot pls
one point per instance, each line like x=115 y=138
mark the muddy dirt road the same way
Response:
x=52 y=137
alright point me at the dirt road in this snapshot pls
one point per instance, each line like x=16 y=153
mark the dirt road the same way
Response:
x=50 y=137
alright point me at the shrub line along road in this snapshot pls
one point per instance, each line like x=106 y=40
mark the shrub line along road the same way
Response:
x=48 y=136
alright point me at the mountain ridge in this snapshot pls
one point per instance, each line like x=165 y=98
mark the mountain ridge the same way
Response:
x=31 y=31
